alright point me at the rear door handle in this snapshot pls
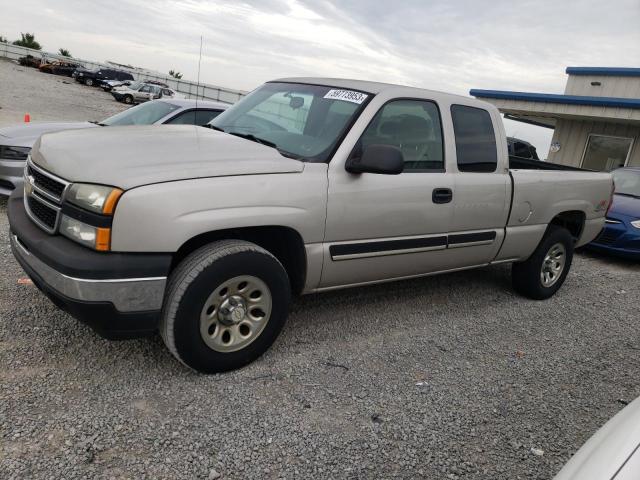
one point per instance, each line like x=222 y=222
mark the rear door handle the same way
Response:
x=442 y=195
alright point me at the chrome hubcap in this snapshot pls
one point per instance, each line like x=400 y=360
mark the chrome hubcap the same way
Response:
x=235 y=313
x=553 y=265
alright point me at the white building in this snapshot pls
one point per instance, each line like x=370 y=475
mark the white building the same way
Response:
x=596 y=121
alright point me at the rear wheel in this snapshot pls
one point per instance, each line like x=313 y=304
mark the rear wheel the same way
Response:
x=225 y=305
x=544 y=272
x=128 y=99
x=88 y=82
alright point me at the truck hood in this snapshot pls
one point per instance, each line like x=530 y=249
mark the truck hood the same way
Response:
x=25 y=135
x=131 y=156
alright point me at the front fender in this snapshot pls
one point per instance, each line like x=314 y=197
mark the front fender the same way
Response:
x=162 y=217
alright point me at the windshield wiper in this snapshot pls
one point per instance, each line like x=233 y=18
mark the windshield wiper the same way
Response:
x=627 y=194
x=98 y=123
x=253 y=138
x=213 y=127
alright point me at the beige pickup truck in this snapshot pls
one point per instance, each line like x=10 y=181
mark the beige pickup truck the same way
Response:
x=305 y=185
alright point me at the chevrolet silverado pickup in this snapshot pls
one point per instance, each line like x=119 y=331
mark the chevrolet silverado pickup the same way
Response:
x=305 y=185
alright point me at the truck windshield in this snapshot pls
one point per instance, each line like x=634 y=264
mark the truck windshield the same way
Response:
x=301 y=121
x=143 y=114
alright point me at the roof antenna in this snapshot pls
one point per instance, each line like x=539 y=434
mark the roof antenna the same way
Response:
x=198 y=83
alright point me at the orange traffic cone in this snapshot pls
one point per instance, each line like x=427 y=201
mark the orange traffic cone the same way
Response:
x=27 y=118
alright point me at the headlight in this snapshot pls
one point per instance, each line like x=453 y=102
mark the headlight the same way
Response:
x=96 y=198
x=636 y=223
x=14 y=153
x=93 y=229
x=96 y=238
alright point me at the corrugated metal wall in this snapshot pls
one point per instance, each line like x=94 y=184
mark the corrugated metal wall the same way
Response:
x=573 y=135
x=188 y=88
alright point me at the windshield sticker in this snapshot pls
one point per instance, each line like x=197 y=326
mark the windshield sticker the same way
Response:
x=346 y=96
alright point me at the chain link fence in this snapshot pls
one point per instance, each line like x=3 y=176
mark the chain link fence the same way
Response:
x=188 y=88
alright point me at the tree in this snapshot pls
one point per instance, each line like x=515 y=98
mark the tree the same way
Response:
x=175 y=74
x=64 y=52
x=28 y=40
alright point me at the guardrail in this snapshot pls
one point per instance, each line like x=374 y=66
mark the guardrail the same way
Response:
x=188 y=88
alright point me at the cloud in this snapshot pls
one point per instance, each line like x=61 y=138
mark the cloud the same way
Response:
x=450 y=45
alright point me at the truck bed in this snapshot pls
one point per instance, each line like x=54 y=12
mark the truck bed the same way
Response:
x=520 y=163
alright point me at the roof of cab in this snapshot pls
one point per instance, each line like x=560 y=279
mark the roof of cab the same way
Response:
x=366 y=86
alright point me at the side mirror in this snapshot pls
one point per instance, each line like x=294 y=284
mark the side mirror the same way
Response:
x=384 y=159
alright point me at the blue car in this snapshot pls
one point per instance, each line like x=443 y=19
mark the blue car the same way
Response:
x=621 y=233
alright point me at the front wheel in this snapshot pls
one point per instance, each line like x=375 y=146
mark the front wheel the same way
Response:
x=225 y=305
x=544 y=272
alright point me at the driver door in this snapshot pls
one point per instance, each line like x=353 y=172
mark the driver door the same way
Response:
x=391 y=226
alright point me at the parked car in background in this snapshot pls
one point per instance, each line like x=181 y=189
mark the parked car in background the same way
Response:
x=59 y=67
x=305 y=185
x=108 y=85
x=521 y=148
x=621 y=233
x=30 y=61
x=613 y=453
x=142 y=92
x=16 y=141
x=95 y=76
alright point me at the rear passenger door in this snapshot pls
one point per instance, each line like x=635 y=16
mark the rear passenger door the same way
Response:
x=389 y=226
x=482 y=187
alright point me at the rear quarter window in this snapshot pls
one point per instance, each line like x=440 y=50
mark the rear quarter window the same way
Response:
x=475 y=139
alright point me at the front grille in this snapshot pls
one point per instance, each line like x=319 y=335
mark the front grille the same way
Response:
x=43 y=197
x=45 y=214
x=608 y=236
x=46 y=183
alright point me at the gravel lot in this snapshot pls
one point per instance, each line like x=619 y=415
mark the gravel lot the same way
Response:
x=443 y=377
x=49 y=98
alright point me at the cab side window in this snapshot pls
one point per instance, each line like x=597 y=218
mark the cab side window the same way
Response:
x=414 y=127
x=475 y=139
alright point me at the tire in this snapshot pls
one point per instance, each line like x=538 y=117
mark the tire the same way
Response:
x=199 y=312
x=128 y=99
x=540 y=276
x=88 y=82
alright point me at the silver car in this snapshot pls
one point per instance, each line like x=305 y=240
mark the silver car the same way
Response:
x=16 y=141
x=613 y=453
x=143 y=92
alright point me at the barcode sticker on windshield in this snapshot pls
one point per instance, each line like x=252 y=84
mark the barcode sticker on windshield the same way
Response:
x=347 y=96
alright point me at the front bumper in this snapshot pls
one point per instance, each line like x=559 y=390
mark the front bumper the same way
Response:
x=10 y=176
x=118 y=294
x=619 y=239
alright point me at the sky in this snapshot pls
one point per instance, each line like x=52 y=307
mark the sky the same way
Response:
x=451 y=46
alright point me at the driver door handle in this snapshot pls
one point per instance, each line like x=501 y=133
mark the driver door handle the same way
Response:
x=442 y=195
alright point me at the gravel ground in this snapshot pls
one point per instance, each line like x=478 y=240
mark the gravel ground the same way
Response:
x=49 y=98
x=442 y=377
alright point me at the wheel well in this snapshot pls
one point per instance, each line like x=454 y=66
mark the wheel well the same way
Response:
x=284 y=243
x=573 y=221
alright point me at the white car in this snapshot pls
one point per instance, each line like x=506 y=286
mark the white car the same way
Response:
x=142 y=92
x=16 y=141
x=612 y=453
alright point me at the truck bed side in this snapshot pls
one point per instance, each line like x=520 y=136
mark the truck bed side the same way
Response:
x=541 y=197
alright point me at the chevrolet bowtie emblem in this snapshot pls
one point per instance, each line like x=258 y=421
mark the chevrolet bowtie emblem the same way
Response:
x=28 y=185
